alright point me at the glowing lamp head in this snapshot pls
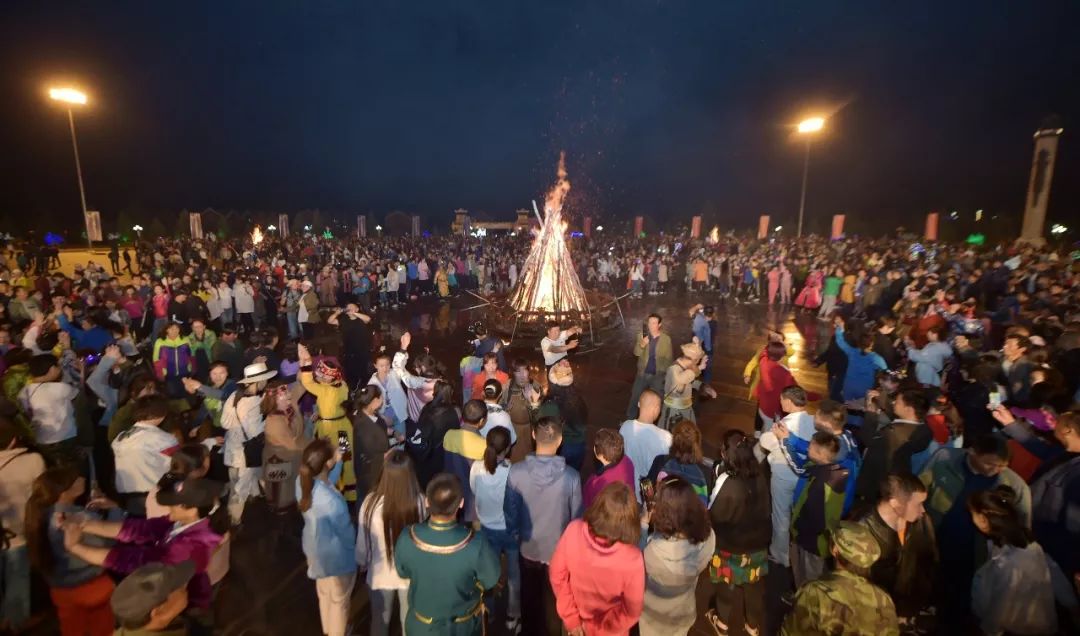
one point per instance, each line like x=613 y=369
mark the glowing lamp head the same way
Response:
x=68 y=95
x=812 y=125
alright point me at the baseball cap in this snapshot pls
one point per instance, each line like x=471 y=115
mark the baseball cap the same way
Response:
x=192 y=493
x=146 y=588
x=855 y=544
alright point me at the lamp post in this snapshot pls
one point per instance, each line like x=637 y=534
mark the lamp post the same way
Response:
x=378 y=228
x=72 y=97
x=138 y=231
x=807 y=127
x=599 y=228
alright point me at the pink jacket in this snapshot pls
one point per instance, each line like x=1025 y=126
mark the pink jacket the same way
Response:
x=622 y=470
x=597 y=585
x=143 y=541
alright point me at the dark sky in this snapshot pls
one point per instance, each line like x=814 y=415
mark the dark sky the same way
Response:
x=665 y=108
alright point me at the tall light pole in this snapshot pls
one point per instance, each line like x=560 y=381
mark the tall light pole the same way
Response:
x=807 y=127
x=72 y=97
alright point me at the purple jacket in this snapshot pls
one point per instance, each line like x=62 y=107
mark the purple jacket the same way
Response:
x=623 y=471
x=143 y=541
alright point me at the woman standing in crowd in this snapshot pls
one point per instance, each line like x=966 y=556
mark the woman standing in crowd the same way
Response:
x=242 y=419
x=597 y=571
x=326 y=382
x=328 y=540
x=685 y=460
x=394 y=504
x=80 y=591
x=678 y=551
x=1015 y=591
x=740 y=510
x=172 y=360
x=372 y=435
x=425 y=442
x=487 y=480
x=286 y=440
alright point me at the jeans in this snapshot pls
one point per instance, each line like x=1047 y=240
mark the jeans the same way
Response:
x=159 y=326
x=293 y=319
x=15 y=583
x=654 y=381
x=227 y=316
x=503 y=542
x=382 y=610
x=782 y=489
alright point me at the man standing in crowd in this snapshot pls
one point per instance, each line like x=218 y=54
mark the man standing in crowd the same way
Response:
x=643 y=440
x=152 y=599
x=543 y=495
x=355 y=330
x=654 y=355
x=890 y=445
x=448 y=566
x=554 y=345
x=308 y=310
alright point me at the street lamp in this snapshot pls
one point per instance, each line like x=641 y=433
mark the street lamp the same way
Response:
x=378 y=228
x=138 y=230
x=72 y=97
x=599 y=228
x=808 y=127
x=270 y=228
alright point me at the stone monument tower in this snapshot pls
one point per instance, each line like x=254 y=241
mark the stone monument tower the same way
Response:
x=1042 y=174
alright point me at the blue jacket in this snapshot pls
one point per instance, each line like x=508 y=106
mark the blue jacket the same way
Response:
x=329 y=539
x=862 y=368
x=930 y=362
x=848 y=458
x=95 y=338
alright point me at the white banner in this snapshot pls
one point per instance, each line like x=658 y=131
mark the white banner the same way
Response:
x=283 y=225
x=416 y=226
x=195 y=222
x=93 y=225
x=361 y=226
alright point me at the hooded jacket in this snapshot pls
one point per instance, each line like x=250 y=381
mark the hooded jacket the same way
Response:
x=672 y=567
x=172 y=358
x=543 y=495
x=597 y=584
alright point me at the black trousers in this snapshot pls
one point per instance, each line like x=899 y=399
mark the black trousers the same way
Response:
x=750 y=596
x=538 y=614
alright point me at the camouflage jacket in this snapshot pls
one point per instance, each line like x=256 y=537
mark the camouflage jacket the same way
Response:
x=841 y=603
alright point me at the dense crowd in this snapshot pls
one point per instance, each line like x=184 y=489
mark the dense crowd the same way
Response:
x=934 y=486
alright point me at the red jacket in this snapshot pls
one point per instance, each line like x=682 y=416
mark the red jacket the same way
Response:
x=597 y=585
x=773 y=378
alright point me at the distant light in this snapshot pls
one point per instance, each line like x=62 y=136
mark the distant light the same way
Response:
x=978 y=215
x=778 y=228
x=137 y=228
x=378 y=228
x=1058 y=229
x=271 y=228
x=576 y=234
x=812 y=125
x=69 y=95
x=307 y=228
x=954 y=215
x=599 y=228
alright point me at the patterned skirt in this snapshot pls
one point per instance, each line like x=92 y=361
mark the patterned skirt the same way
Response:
x=738 y=569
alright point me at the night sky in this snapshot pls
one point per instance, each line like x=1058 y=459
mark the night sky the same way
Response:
x=664 y=108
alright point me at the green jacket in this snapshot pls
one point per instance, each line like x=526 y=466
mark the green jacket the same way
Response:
x=841 y=602
x=206 y=344
x=13 y=381
x=664 y=354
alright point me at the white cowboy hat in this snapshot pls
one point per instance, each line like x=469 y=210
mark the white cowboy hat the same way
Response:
x=256 y=373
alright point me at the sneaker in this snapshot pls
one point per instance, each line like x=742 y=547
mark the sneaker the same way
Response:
x=513 y=626
x=718 y=625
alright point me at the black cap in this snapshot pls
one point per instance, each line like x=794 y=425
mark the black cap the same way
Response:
x=146 y=588
x=192 y=493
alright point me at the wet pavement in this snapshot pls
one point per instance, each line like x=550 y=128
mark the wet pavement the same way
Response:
x=267 y=591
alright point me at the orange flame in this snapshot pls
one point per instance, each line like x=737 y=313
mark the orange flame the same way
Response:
x=256 y=235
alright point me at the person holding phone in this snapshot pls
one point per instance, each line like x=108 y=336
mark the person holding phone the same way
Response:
x=654 y=355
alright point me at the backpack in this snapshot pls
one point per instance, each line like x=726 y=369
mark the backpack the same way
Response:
x=692 y=473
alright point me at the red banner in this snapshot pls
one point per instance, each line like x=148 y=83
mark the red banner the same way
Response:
x=763 y=226
x=639 y=225
x=837 y=227
x=587 y=227
x=695 y=227
x=931 y=226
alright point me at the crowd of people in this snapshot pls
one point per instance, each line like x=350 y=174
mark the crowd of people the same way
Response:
x=933 y=485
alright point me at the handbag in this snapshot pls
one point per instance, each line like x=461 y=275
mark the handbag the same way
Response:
x=253 y=446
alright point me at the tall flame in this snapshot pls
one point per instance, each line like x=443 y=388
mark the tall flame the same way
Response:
x=714 y=236
x=548 y=281
x=256 y=235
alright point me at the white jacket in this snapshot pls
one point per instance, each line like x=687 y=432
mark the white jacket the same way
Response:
x=142 y=457
x=371 y=549
x=244 y=297
x=242 y=419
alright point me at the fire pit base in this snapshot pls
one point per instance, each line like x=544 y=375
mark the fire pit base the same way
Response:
x=603 y=314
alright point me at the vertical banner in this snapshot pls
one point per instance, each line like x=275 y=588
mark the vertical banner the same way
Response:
x=587 y=227
x=361 y=226
x=763 y=226
x=639 y=225
x=695 y=227
x=283 y=225
x=837 y=227
x=195 y=225
x=93 y=225
x=415 y=225
x=466 y=225
x=1042 y=173
x=931 y=226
